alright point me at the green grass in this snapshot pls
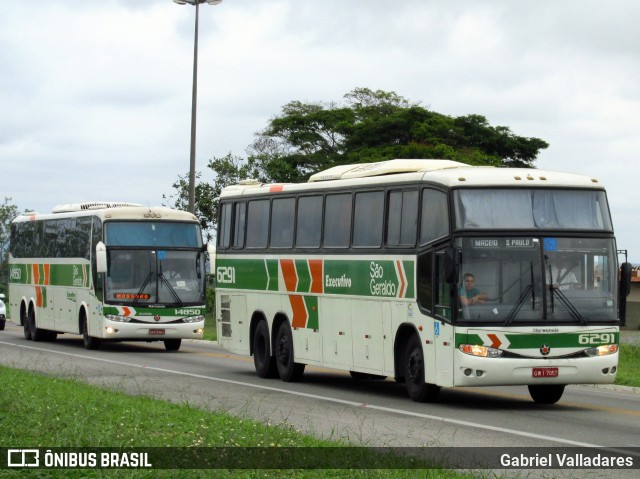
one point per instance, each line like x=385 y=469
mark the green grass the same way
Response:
x=629 y=366
x=44 y=411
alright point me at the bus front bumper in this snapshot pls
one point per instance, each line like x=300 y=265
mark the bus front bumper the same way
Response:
x=480 y=371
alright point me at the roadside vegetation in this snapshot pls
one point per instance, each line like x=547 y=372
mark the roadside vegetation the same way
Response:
x=44 y=411
x=629 y=365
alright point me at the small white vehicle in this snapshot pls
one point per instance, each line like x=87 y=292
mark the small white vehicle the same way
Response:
x=3 y=312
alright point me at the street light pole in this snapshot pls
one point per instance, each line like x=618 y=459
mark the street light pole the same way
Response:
x=194 y=97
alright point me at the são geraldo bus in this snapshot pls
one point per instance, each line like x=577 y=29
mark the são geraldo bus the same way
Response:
x=363 y=269
x=108 y=271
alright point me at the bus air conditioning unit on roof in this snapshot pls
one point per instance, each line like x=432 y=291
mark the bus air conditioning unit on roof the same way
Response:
x=96 y=205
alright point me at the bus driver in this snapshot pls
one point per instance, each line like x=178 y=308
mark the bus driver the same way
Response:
x=468 y=293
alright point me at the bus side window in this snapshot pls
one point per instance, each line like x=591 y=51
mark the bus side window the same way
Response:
x=238 y=224
x=402 y=218
x=337 y=221
x=282 y=222
x=443 y=290
x=257 y=224
x=425 y=281
x=224 y=233
x=434 y=223
x=309 y=222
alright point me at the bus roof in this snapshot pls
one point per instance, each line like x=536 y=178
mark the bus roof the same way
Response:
x=445 y=173
x=110 y=211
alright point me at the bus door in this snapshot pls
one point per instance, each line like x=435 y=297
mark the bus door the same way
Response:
x=443 y=331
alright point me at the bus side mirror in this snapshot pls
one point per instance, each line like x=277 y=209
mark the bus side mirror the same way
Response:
x=451 y=265
x=625 y=279
x=101 y=257
x=211 y=251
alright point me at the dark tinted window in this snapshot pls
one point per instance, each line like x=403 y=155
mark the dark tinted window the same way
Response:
x=309 y=223
x=337 y=221
x=238 y=224
x=258 y=224
x=435 y=216
x=402 y=218
x=282 y=213
x=224 y=232
x=367 y=225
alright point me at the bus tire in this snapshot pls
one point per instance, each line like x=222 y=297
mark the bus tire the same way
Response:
x=288 y=370
x=546 y=393
x=36 y=333
x=89 y=341
x=263 y=361
x=172 y=344
x=25 y=325
x=417 y=388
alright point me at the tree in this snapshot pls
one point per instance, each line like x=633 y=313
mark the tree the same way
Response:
x=375 y=126
x=8 y=212
x=367 y=126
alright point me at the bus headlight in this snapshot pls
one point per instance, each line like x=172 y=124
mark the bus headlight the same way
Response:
x=602 y=350
x=118 y=318
x=482 y=351
x=193 y=319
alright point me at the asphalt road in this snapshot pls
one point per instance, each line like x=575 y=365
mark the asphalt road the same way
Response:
x=330 y=405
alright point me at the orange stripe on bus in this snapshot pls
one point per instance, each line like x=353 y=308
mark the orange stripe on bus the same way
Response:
x=36 y=273
x=276 y=188
x=315 y=268
x=299 y=311
x=39 y=300
x=47 y=273
x=289 y=274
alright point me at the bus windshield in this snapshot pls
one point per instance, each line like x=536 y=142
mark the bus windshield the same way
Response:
x=143 y=276
x=154 y=263
x=529 y=279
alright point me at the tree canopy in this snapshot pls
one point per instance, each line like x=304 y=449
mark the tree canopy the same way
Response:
x=368 y=126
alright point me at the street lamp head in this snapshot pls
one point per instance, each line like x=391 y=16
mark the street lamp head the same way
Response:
x=193 y=2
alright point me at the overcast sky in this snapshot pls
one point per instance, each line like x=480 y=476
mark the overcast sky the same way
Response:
x=96 y=95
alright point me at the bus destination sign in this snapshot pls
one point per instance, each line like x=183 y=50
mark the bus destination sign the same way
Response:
x=499 y=243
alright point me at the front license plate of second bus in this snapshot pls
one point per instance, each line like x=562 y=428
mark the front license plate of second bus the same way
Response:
x=545 y=372
x=160 y=332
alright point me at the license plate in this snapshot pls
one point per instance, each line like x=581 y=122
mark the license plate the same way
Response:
x=156 y=332
x=545 y=372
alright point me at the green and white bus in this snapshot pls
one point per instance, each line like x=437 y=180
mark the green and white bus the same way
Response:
x=363 y=269
x=108 y=271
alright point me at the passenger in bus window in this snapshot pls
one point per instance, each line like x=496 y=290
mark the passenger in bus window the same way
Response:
x=468 y=293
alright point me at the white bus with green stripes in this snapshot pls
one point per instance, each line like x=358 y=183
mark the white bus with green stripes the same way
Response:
x=109 y=272
x=363 y=269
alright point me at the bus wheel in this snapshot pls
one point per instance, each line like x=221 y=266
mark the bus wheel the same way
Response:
x=25 y=327
x=546 y=393
x=264 y=363
x=417 y=388
x=172 y=344
x=288 y=370
x=36 y=333
x=89 y=341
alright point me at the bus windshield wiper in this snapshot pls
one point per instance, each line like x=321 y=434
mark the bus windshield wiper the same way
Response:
x=518 y=306
x=523 y=297
x=575 y=314
x=165 y=281
x=142 y=288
